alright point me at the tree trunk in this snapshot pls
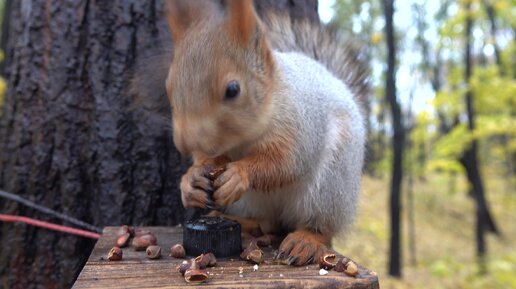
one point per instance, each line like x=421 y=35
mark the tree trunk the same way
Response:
x=397 y=143
x=484 y=221
x=69 y=141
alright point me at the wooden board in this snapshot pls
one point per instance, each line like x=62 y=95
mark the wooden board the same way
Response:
x=136 y=271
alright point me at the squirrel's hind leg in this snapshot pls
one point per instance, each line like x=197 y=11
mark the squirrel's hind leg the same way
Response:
x=303 y=246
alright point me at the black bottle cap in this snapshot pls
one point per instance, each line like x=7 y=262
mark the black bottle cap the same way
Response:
x=212 y=235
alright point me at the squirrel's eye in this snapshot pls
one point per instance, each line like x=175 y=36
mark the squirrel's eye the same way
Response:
x=232 y=90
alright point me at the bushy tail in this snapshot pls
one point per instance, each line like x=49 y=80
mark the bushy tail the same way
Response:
x=339 y=54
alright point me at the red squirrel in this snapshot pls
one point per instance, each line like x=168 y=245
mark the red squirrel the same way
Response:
x=277 y=102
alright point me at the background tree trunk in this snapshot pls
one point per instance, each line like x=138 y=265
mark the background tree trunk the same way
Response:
x=469 y=159
x=68 y=140
x=397 y=143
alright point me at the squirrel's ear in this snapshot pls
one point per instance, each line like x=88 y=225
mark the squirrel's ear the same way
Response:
x=242 y=19
x=181 y=14
x=179 y=17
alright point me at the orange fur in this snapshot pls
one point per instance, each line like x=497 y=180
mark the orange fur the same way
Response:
x=182 y=14
x=206 y=59
x=242 y=20
x=269 y=166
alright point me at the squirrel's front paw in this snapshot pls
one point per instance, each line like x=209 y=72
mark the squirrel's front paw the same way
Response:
x=231 y=185
x=194 y=187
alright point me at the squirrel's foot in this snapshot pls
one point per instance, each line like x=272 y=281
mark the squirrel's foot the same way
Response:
x=247 y=225
x=194 y=187
x=303 y=247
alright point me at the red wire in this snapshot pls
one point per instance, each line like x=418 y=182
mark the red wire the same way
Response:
x=51 y=226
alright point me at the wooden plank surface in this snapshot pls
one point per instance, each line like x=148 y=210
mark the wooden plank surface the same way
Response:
x=136 y=271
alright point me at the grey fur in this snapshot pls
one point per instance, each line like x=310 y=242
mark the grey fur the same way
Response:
x=338 y=53
x=329 y=152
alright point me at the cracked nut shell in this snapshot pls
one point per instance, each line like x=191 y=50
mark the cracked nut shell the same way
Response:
x=206 y=260
x=115 y=254
x=327 y=261
x=186 y=265
x=252 y=253
x=196 y=275
x=153 y=252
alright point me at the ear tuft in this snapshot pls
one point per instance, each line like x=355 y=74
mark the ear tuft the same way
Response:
x=242 y=19
x=182 y=14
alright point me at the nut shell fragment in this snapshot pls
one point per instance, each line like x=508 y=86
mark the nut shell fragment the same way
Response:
x=153 y=252
x=186 y=265
x=196 y=275
x=252 y=253
x=327 y=261
x=115 y=254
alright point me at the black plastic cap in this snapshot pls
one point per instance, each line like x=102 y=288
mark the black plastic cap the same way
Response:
x=212 y=235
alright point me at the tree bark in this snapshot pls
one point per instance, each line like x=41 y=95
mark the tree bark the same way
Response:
x=68 y=138
x=397 y=143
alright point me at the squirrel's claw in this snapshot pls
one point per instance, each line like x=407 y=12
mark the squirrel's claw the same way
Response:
x=192 y=189
x=230 y=186
x=302 y=247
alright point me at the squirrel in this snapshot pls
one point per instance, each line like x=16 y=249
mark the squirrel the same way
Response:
x=277 y=102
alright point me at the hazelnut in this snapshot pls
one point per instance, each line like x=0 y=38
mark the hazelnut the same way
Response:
x=351 y=269
x=213 y=174
x=196 y=275
x=139 y=232
x=123 y=240
x=177 y=251
x=150 y=237
x=340 y=266
x=115 y=254
x=327 y=261
x=153 y=252
x=140 y=243
x=127 y=229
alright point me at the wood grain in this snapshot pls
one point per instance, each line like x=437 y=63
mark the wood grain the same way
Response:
x=136 y=271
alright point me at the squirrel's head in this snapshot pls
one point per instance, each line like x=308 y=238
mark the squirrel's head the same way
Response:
x=221 y=75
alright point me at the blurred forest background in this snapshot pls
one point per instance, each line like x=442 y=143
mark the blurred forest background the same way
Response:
x=439 y=193
x=455 y=75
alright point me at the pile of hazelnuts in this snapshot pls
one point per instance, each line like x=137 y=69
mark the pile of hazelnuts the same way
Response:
x=139 y=239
